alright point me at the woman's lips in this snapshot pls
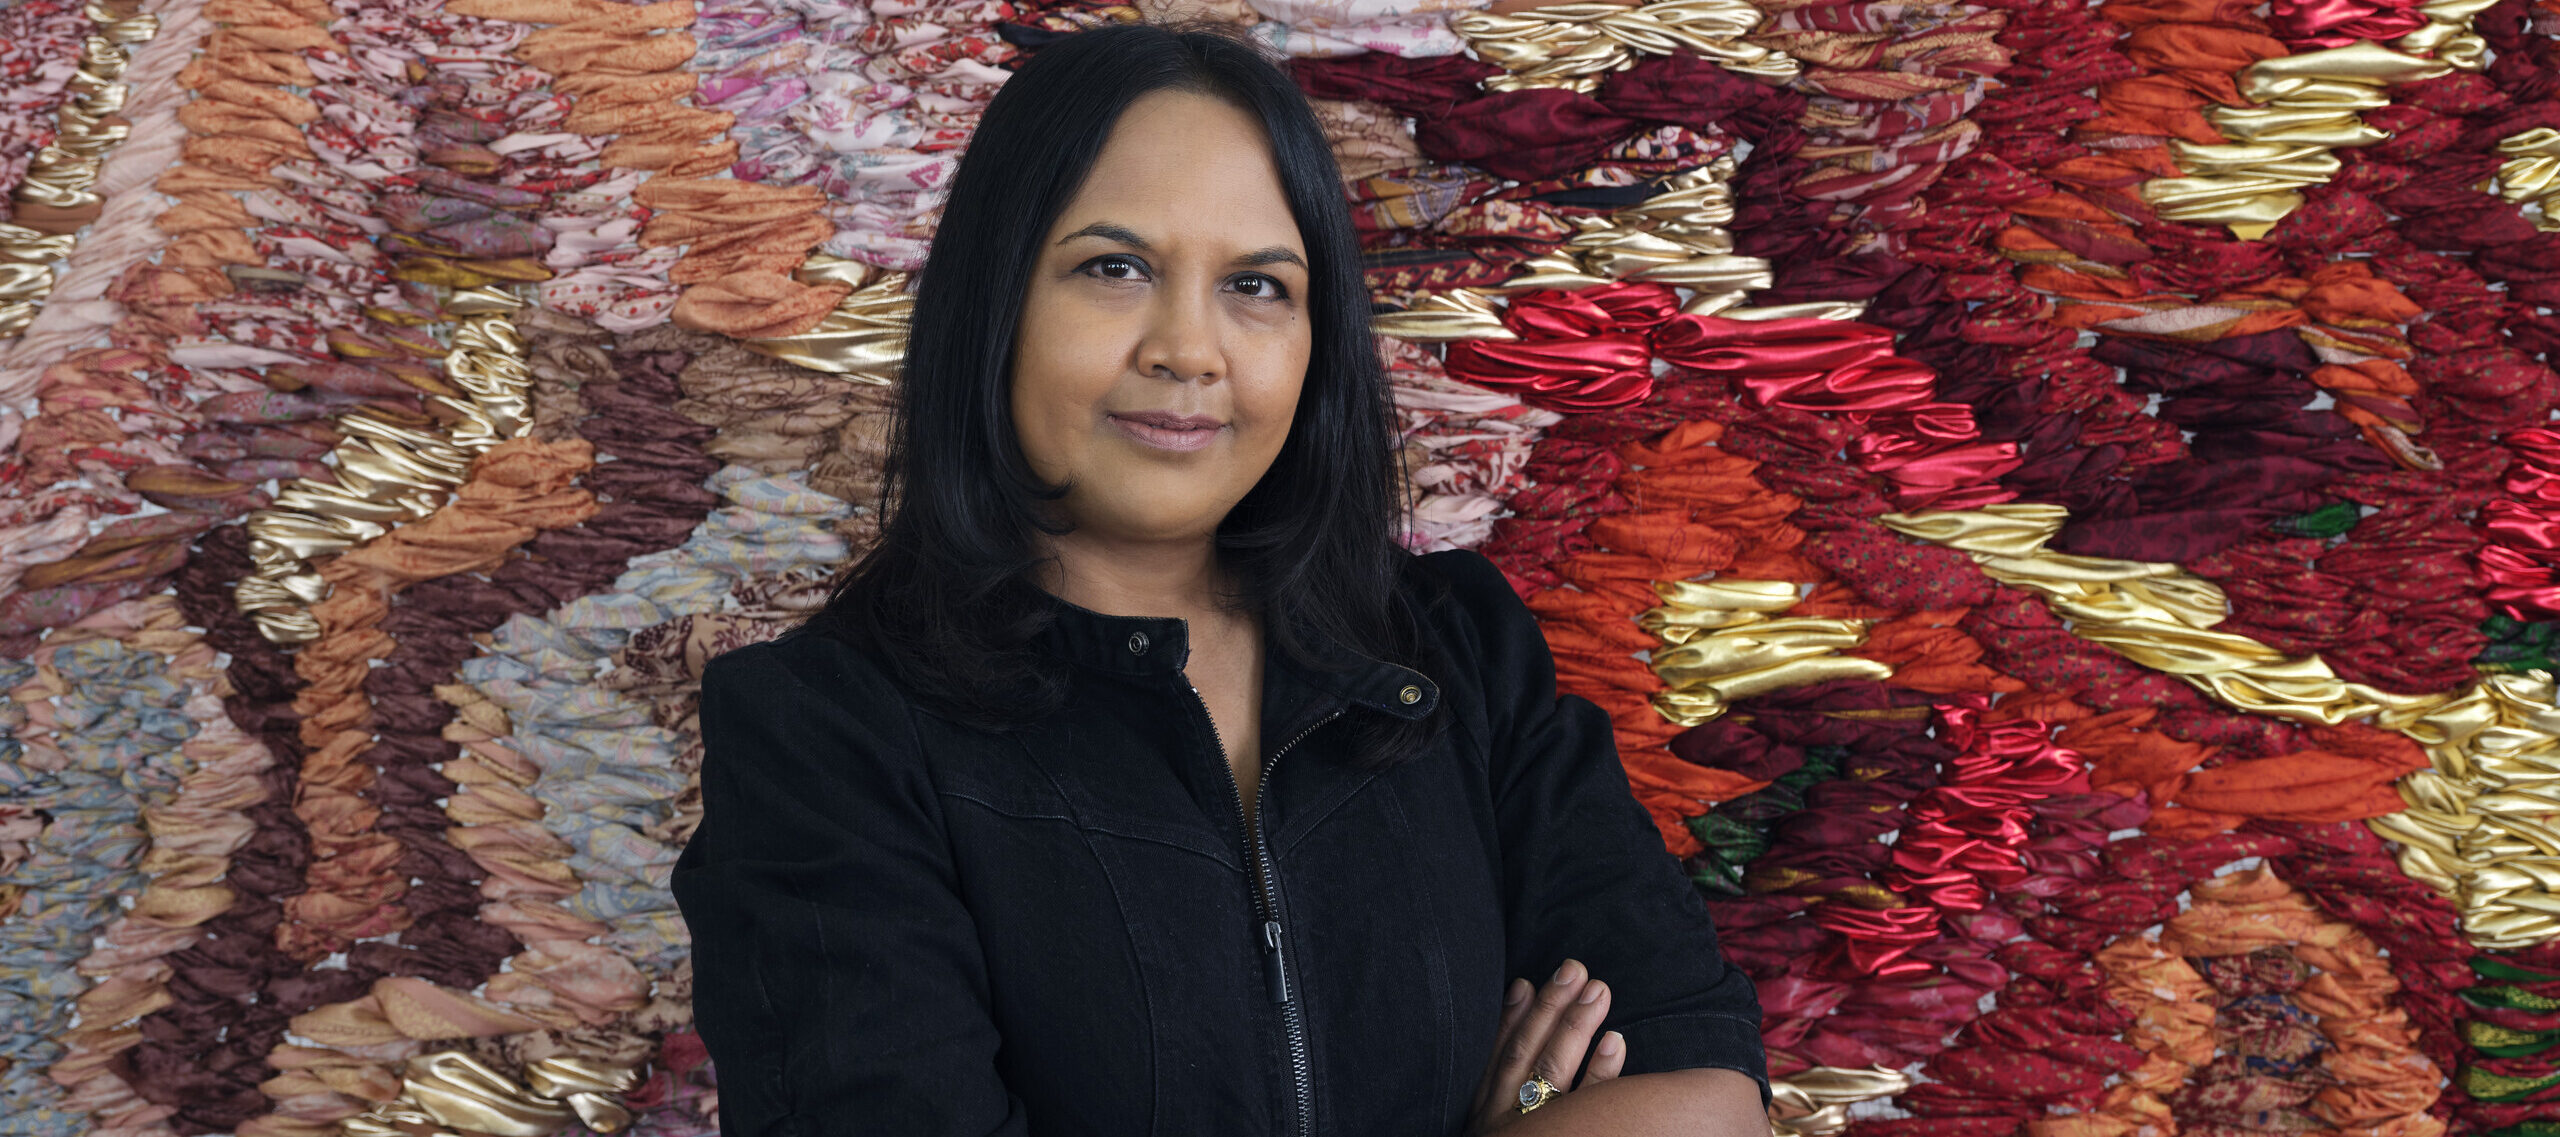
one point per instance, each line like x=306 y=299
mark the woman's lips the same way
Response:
x=1160 y=434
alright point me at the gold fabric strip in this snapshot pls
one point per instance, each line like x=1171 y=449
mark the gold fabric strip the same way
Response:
x=388 y=474
x=2448 y=35
x=59 y=193
x=865 y=338
x=1573 y=45
x=2308 y=105
x=1676 y=237
x=2478 y=824
x=1815 y=1102
x=449 y=1090
x=1730 y=639
x=1458 y=314
x=2530 y=177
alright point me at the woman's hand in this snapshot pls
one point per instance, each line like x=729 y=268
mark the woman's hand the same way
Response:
x=1544 y=1033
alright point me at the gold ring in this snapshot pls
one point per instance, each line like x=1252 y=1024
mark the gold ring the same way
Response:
x=1536 y=1091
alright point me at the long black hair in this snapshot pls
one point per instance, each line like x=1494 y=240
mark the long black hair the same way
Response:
x=948 y=599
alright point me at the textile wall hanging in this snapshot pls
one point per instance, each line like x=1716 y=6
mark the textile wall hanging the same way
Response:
x=2060 y=500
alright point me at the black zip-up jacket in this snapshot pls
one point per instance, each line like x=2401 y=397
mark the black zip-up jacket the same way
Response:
x=904 y=926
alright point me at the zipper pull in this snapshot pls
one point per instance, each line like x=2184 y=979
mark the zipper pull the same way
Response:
x=1275 y=966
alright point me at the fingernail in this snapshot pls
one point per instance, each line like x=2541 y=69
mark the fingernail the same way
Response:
x=1563 y=971
x=1591 y=991
x=1610 y=1043
x=1518 y=990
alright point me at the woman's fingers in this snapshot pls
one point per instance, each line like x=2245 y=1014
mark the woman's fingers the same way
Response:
x=1574 y=1034
x=1547 y=1035
x=1557 y=1028
x=1527 y=1045
x=1521 y=1047
x=1607 y=1058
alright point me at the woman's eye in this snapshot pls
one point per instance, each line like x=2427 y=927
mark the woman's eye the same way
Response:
x=1257 y=286
x=1115 y=259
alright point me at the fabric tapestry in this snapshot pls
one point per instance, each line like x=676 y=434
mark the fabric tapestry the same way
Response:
x=2060 y=501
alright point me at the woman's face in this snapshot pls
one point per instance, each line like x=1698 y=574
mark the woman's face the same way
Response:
x=1165 y=337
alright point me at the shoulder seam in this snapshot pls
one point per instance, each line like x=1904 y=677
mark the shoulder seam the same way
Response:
x=772 y=651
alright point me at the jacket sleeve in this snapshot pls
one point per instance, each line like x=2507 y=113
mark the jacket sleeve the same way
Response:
x=838 y=983
x=1584 y=869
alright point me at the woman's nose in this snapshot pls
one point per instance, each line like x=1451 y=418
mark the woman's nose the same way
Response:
x=1182 y=340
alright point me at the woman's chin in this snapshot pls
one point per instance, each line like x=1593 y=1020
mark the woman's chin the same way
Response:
x=1185 y=522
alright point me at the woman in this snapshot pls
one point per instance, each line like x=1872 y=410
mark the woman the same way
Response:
x=1138 y=782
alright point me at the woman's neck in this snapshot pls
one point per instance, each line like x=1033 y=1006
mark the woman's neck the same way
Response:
x=1135 y=578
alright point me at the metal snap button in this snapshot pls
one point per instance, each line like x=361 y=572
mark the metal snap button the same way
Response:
x=1410 y=695
x=1137 y=643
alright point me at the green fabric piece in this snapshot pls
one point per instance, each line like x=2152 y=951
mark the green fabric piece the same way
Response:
x=2501 y=1089
x=2512 y=998
x=2515 y=646
x=2503 y=1042
x=2492 y=967
x=1736 y=832
x=2327 y=521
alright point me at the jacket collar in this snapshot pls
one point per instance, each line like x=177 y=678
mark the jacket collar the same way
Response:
x=1147 y=646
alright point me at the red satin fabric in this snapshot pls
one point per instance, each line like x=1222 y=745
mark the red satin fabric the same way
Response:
x=2337 y=23
x=2522 y=557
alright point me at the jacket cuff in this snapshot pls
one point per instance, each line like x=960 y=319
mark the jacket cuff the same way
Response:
x=1684 y=1042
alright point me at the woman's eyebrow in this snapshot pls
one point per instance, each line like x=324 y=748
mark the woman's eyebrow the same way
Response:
x=1127 y=236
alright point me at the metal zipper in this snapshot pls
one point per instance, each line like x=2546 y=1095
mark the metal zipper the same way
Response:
x=1274 y=955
